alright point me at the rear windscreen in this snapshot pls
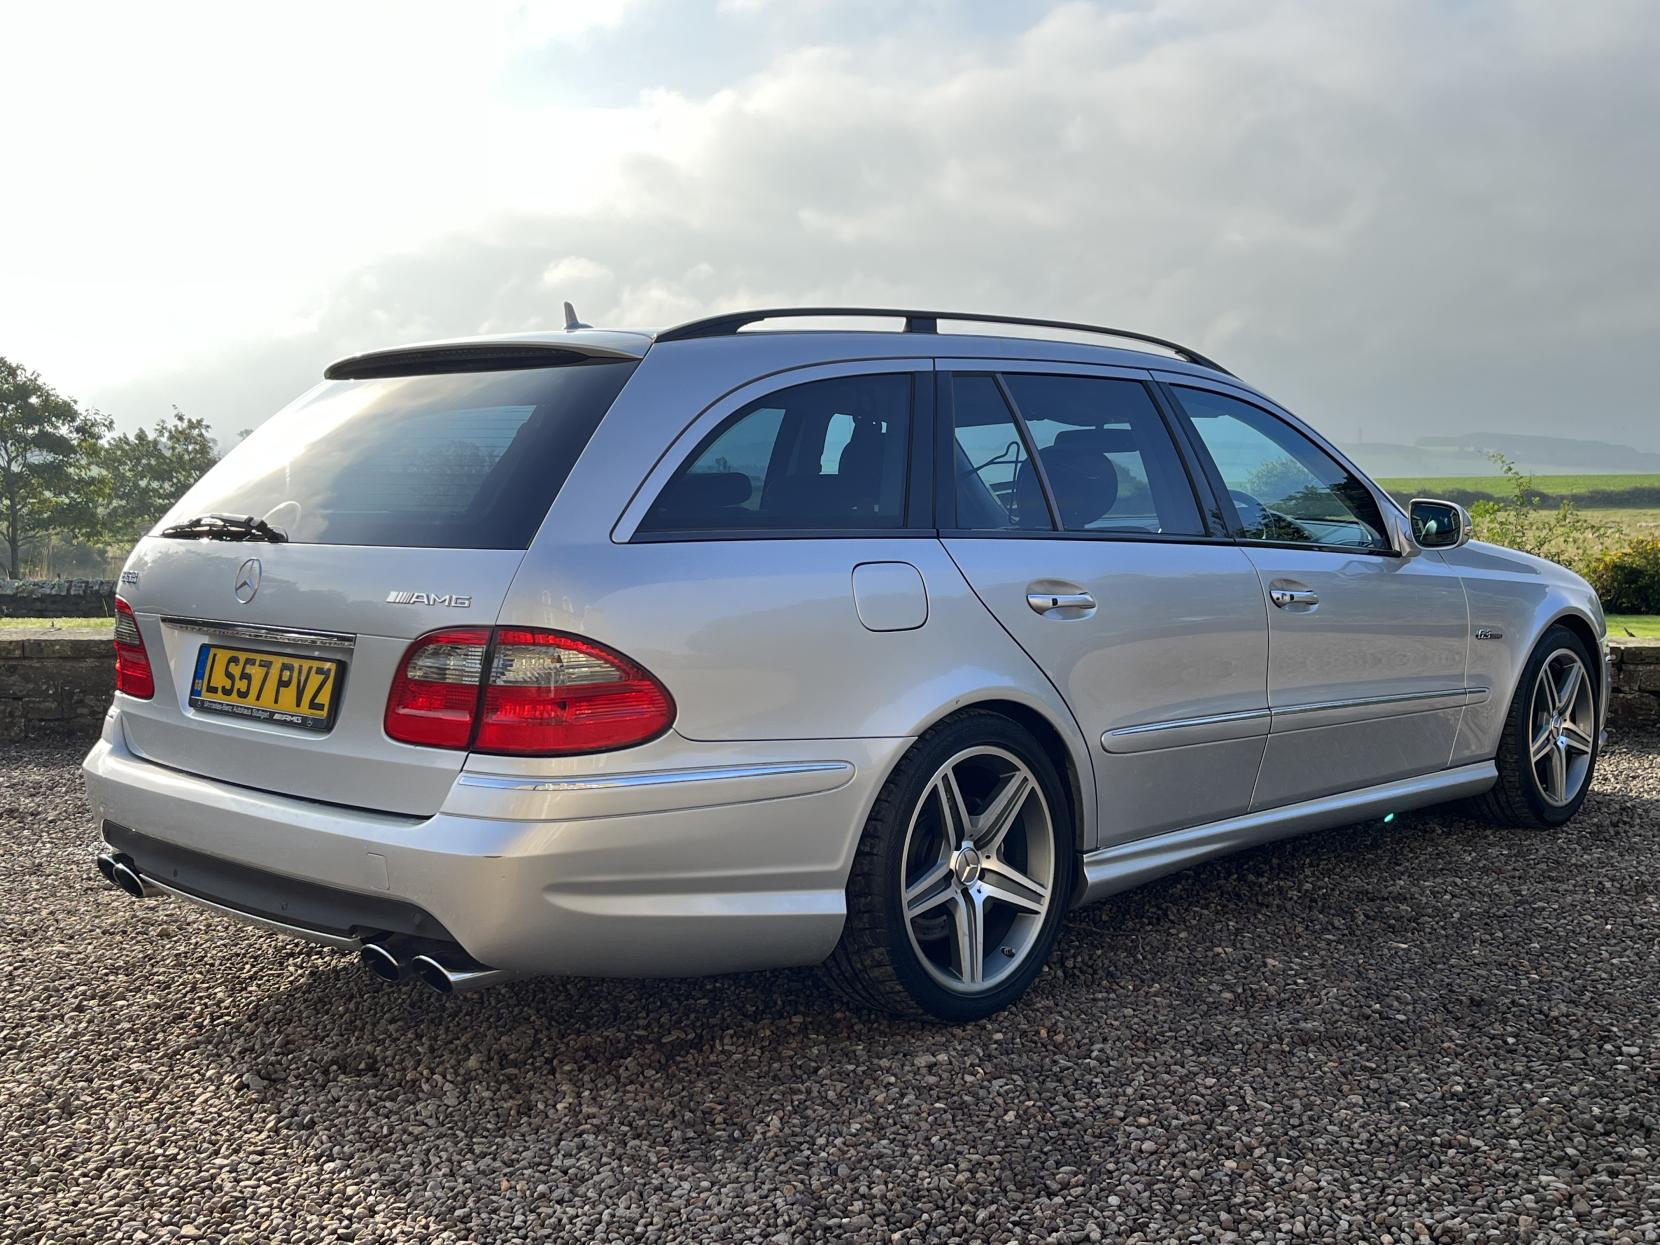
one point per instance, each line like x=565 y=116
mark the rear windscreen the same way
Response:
x=449 y=461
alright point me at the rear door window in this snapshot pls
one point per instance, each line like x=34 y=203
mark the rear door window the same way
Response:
x=444 y=461
x=1106 y=454
x=827 y=455
x=996 y=486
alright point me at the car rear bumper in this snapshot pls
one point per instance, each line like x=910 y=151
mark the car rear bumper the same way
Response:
x=693 y=859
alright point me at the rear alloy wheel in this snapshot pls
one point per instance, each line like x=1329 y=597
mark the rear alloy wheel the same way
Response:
x=961 y=877
x=1548 y=754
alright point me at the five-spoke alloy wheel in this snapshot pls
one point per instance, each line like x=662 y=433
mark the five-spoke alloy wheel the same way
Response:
x=1548 y=752
x=979 y=869
x=961 y=877
x=1564 y=726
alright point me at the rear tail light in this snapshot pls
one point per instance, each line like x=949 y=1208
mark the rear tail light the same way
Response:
x=434 y=698
x=523 y=692
x=133 y=676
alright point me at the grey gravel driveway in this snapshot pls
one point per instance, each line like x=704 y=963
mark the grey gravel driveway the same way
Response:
x=1432 y=1030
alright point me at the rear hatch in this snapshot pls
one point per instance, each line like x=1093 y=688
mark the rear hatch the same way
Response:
x=407 y=502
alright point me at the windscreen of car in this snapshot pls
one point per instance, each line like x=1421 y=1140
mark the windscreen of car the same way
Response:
x=468 y=460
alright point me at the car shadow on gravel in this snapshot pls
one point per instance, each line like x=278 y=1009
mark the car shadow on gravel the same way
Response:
x=1371 y=880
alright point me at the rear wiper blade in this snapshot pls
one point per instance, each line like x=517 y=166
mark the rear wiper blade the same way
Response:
x=226 y=527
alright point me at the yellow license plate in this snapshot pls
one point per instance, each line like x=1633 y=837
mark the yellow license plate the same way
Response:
x=268 y=687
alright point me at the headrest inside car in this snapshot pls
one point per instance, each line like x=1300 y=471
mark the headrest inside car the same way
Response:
x=699 y=492
x=1101 y=440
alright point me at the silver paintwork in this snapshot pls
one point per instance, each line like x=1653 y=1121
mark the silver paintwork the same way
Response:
x=835 y=773
x=1190 y=712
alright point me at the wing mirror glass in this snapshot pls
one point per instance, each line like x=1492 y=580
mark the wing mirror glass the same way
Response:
x=1439 y=524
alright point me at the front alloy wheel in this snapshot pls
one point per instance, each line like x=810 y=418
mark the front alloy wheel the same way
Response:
x=961 y=876
x=1547 y=754
x=1564 y=727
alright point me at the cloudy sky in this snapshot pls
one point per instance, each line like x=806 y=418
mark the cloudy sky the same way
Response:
x=1401 y=218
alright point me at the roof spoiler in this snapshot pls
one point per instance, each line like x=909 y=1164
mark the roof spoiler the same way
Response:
x=473 y=356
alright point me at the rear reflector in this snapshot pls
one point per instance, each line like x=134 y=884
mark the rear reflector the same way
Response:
x=133 y=676
x=545 y=694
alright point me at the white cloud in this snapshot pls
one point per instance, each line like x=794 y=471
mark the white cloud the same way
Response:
x=1391 y=214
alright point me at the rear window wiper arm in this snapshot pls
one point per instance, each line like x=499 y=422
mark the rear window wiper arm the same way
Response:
x=225 y=527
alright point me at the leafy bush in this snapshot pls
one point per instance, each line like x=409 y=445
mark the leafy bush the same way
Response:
x=1518 y=520
x=1628 y=579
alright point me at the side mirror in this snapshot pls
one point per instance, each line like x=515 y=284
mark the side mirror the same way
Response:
x=1439 y=524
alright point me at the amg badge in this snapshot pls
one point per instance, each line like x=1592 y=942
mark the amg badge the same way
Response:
x=454 y=600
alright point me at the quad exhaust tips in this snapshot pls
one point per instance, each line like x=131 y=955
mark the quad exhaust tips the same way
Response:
x=445 y=979
x=118 y=871
x=389 y=959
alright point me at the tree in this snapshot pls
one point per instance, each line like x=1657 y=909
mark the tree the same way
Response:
x=47 y=444
x=141 y=474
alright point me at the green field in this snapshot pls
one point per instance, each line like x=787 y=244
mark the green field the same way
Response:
x=1644 y=519
x=1556 y=486
x=1641 y=625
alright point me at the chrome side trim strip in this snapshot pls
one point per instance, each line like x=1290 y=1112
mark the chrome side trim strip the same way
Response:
x=1460 y=694
x=1244 y=715
x=261 y=631
x=1126 y=865
x=1313 y=714
x=337 y=941
x=1249 y=723
x=1179 y=732
x=657 y=778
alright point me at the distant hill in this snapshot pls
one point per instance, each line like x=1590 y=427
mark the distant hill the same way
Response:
x=1467 y=455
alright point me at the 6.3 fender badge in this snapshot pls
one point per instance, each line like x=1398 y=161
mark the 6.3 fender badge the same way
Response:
x=247 y=580
x=1489 y=633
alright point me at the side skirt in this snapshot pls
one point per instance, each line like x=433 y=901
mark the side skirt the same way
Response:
x=1126 y=865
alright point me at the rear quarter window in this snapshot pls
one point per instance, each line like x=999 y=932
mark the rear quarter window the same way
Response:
x=824 y=456
x=445 y=461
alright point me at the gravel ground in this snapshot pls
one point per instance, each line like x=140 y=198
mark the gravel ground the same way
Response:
x=1434 y=1030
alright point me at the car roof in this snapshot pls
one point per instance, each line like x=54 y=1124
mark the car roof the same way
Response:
x=1041 y=340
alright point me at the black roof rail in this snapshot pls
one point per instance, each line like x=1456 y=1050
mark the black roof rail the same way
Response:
x=915 y=322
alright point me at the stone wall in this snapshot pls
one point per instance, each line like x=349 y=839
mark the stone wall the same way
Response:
x=1636 y=673
x=61 y=684
x=54 y=684
x=57 y=598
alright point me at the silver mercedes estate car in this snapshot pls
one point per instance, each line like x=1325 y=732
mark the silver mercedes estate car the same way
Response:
x=732 y=646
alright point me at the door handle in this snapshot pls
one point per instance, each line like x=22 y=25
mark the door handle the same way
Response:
x=1285 y=596
x=1044 y=602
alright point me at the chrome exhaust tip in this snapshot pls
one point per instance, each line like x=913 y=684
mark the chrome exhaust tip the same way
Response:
x=106 y=867
x=127 y=878
x=438 y=976
x=381 y=962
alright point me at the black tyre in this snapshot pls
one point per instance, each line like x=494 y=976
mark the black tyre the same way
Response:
x=1548 y=753
x=961 y=878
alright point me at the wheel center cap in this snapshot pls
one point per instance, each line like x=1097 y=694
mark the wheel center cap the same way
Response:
x=966 y=864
